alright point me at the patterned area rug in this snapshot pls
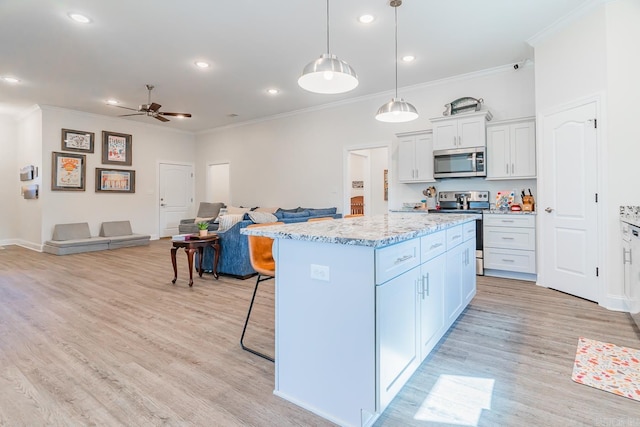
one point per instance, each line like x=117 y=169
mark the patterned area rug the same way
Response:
x=608 y=367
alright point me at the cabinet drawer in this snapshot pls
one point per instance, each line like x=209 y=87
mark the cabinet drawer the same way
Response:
x=510 y=260
x=454 y=236
x=468 y=230
x=394 y=260
x=506 y=220
x=509 y=238
x=432 y=245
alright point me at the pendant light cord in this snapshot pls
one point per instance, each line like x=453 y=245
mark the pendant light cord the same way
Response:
x=328 y=27
x=395 y=9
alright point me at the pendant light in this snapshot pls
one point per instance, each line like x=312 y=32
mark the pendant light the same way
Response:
x=397 y=110
x=328 y=74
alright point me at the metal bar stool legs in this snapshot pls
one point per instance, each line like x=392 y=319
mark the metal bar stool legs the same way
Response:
x=261 y=278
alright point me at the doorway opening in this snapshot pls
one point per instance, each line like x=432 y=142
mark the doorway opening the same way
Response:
x=366 y=185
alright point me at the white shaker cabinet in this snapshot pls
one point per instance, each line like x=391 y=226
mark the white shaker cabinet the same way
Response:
x=415 y=157
x=511 y=149
x=509 y=242
x=460 y=131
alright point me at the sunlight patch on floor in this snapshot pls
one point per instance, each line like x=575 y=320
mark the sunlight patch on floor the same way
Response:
x=457 y=400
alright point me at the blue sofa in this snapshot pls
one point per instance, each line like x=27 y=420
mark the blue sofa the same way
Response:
x=234 y=253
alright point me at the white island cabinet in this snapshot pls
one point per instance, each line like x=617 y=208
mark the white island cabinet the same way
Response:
x=360 y=303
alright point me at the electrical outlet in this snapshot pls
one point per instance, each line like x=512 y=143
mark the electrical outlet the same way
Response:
x=320 y=272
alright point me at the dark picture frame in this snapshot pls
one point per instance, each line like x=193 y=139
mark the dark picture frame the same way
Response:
x=68 y=171
x=77 y=140
x=115 y=180
x=116 y=148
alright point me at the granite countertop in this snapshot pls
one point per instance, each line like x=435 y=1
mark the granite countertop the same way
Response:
x=630 y=214
x=373 y=231
x=497 y=211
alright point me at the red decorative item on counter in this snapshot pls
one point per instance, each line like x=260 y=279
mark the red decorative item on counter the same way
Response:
x=516 y=208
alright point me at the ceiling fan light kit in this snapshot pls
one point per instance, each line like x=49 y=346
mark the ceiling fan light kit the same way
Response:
x=397 y=110
x=328 y=74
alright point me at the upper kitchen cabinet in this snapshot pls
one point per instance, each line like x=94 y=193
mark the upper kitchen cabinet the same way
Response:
x=511 y=149
x=415 y=157
x=460 y=131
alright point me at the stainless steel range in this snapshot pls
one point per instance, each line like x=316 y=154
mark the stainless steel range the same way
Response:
x=466 y=202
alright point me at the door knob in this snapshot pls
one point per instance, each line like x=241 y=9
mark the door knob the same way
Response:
x=548 y=210
x=163 y=204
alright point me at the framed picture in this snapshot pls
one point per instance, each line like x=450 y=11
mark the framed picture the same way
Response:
x=115 y=180
x=116 y=148
x=68 y=171
x=77 y=140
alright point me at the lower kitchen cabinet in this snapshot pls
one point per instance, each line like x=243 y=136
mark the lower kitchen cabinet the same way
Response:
x=431 y=303
x=510 y=244
x=397 y=314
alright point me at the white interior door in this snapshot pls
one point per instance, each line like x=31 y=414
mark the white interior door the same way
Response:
x=567 y=209
x=176 y=196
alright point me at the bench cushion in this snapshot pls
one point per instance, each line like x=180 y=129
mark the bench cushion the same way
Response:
x=115 y=228
x=73 y=231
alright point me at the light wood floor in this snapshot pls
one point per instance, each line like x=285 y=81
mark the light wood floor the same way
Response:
x=104 y=339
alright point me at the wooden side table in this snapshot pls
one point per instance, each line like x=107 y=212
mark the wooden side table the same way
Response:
x=194 y=243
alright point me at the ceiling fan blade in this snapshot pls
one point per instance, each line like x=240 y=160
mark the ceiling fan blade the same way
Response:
x=126 y=108
x=154 y=107
x=162 y=119
x=176 y=114
x=135 y=114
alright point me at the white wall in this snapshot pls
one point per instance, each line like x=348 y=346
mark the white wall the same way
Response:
x=151 y=144
x=9 y=171
x=296 y=160
x=379 y=162
x=597 y=55
x=356 y=168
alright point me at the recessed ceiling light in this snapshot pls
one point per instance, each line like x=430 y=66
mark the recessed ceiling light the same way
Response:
x=9 y=79
x=408 y=58
x=202 y=64
x=273 y=91
x=112 y=102
x=366 y=19
x=79 y=18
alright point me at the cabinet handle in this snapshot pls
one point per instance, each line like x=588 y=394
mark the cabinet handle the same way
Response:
x=427 y=291
x=506 y=170
x=508 y=260
x=507 y=220
x=435 y=245
x=624 y=256
x=507 y=238
x=512 y=169
x=457 y=236
x=402 y=259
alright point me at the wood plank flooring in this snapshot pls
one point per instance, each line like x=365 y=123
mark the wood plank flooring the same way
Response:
x=105 y=339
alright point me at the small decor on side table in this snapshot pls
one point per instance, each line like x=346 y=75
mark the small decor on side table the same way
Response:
x=203 y=227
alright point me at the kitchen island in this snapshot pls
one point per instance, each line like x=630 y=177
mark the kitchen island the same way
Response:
x=360 y=303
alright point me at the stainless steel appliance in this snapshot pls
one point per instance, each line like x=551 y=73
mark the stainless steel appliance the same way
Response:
x=460 y=162
x=466 y=202
x=630 y=228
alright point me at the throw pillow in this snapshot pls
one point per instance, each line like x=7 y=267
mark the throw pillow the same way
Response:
x=294 y=210
x=322 y=211
x=295 y=214
x=262 y=217
x=269 y=210
x=200 y=219
x=237 y=211
x=229 y=220
x=221 y=213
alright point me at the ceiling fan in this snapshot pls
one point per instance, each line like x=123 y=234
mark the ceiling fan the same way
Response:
x=151 y=109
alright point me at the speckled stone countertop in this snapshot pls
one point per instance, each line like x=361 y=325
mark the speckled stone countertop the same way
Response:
x=497 y=211
x=374 y=231
x=630 y=214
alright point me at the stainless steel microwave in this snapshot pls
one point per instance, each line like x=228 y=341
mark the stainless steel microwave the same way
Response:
x=458 y=163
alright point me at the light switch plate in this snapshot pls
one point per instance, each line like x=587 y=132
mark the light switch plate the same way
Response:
x=320 y=272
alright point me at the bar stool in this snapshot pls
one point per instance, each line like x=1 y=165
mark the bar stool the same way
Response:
x=261 y=257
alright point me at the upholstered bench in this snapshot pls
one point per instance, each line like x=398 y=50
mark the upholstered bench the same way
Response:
x=74 y=238
x=120 y=235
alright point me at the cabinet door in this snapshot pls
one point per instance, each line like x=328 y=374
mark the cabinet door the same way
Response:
x=471 y=132
x=469 y=270
x=424 y=158
x=453 y=283
x=445 y=135
x=431 y=301
x=523 y=150
x=498 y=151
x=396 y=323
x=406 y=162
